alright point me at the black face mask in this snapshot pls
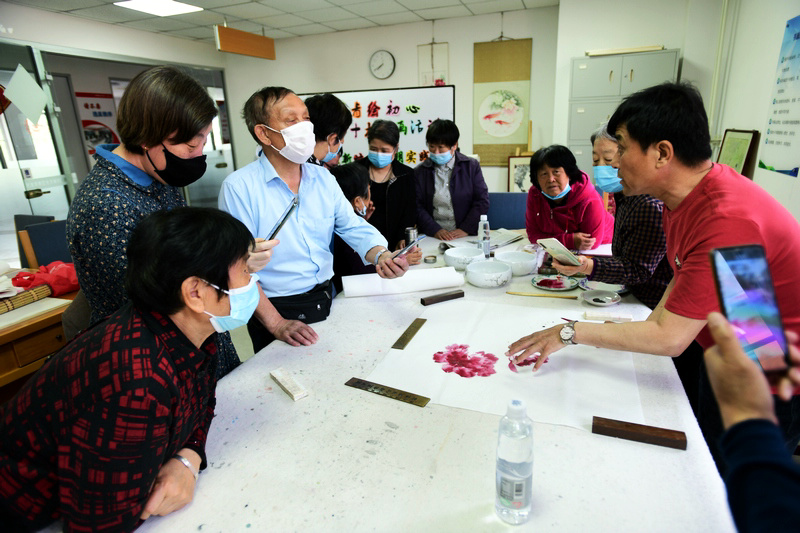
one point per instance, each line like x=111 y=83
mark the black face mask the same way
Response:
x=180 y=172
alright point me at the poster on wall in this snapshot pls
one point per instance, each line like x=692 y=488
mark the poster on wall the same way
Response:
x=412 y=109
x=780 y=151
x=501 y=99
x=98 y=120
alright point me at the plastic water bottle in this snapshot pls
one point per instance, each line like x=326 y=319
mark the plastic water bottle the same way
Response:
x=484 y=234
x=514 y=477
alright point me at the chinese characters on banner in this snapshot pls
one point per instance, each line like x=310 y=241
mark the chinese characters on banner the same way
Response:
x=411 y=109
x=781 y=147
x=98 y=120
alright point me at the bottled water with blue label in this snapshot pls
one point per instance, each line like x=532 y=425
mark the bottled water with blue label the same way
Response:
x=514 y=465
x=484 y=234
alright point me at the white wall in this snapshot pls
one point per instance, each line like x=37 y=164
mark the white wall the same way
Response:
x=758 y=38
x=338 y=62
x=691 y=25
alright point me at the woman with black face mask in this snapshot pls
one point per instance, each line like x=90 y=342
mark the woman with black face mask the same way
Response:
x=163 y=121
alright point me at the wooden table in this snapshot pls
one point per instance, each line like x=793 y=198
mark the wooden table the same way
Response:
x=25 y=345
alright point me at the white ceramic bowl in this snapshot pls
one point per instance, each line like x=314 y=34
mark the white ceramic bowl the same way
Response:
x=521 y=263
x=461 y=257
x=488 y=274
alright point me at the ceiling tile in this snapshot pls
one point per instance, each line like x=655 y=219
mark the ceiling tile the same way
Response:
x=158 y=24
x=250 y=10
x=443 y=12
x=194 y=33
x=311 y=29
x=324 y=15
x=350 y=24
x=62 y=5
x=395 y=18
x=282 y=21
x=246 y=25
x=530 y=4
x=210 y=4
x=110 y=13
x=377 y=7
x=201 y=18
x=345 y=2
x=496 y=6
x=278 y=34
x=294 y=6
x=416 y=5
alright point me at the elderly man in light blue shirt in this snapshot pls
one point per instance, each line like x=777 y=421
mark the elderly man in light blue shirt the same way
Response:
x=296 y=281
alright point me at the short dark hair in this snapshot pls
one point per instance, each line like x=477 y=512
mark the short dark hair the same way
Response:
x=384 y=130
x=671 y=112
x=159 y=101
x=256 y=109
x=554 y=156
x=353 y=179
x=442 y=131
x=329 y=115
x=167 y=247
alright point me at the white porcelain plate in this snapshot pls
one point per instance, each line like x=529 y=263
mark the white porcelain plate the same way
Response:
x=601 y=298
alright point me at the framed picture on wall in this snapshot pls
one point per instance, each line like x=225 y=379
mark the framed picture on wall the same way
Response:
x=738 y=150
x=519 y=173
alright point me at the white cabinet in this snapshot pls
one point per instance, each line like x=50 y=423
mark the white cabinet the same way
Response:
x=599 y=84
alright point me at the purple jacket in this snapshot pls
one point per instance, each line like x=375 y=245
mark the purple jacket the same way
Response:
x=468 y=191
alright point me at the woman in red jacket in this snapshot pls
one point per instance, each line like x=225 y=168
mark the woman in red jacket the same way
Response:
x=564 y=204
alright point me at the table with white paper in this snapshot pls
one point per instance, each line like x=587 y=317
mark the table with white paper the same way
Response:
x=344 y=459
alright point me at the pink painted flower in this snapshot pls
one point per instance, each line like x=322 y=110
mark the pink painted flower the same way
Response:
x=456 y=359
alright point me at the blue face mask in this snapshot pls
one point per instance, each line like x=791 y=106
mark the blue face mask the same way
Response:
x=331 y=155
x=605 y=177
x=441 y=159
x=561 y=195
x=379 y=159
x=244 y=301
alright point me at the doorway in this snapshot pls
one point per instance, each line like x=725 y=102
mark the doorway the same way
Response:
x=33 y=178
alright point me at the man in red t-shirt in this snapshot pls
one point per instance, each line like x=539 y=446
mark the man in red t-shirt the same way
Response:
x=665 y=151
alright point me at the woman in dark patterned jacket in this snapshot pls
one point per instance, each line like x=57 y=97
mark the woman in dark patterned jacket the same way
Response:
x=163 y=120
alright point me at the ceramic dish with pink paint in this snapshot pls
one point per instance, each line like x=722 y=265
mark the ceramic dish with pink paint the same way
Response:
x=554 y=283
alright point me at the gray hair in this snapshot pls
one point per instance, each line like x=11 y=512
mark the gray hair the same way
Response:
x=602 y=133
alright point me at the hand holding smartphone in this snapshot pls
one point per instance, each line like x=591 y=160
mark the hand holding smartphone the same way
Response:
x=408 y=247
x=747 y=299
x=559 y=251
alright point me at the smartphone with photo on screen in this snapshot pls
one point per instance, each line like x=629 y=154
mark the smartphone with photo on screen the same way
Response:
x=747 y=299
x=559 y=251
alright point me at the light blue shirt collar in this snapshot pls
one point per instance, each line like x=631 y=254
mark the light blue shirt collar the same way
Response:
x=139 y=176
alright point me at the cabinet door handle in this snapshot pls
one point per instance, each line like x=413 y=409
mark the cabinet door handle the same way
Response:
x=611 y=76
x=631 y=80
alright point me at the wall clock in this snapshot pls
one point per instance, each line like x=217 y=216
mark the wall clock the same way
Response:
x=381 y=64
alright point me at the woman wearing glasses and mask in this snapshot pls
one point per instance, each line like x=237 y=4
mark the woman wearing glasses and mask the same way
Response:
x=163 y=121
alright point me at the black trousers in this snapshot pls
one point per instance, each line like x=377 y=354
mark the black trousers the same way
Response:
x=308 y=307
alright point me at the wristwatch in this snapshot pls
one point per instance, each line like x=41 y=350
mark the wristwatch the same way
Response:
x=567 y=333
x=378 y=256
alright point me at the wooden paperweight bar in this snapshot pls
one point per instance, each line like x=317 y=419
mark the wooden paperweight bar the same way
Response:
x=639 y=433
x=437 y=298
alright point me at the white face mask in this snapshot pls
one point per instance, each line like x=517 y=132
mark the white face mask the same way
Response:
x=299 y=139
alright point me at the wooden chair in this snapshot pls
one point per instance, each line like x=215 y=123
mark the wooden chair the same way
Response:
x=44 y=243
x=20 y=223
